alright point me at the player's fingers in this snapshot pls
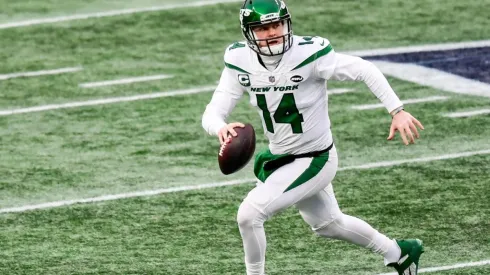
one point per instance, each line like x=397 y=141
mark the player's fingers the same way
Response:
x=418 y=123
x=414 y=129
x=402 y=134
x=221 y=138
x=238 y=124
x=231 y=130
x=411 y=138
x=392 y=132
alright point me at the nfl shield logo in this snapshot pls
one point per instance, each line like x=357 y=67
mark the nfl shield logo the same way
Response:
x=272 y=79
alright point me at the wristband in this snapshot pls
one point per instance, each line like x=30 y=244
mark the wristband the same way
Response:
x=396 y=111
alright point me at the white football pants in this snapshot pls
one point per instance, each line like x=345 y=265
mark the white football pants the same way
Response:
x=317 y=205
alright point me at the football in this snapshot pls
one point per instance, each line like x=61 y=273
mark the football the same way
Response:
x=237 y=151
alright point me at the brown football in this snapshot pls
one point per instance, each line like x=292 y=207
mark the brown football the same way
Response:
x=237 y=152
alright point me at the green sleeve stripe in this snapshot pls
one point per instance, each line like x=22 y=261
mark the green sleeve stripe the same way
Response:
x=233 y=67
x=315 y=167
x=315 y=56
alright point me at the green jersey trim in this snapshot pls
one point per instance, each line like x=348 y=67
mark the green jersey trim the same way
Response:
x=233 y=67
x=315 y=56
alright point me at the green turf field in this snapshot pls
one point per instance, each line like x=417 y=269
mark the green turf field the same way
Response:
x=86 y=152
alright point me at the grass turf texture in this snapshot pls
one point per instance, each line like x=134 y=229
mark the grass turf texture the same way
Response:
x=196 y=233
x=159 y=143
x=189 y=43
x=13 y=11
x=85 y=152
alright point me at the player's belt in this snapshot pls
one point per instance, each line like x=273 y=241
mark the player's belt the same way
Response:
x=274 y=164
x=313 y=154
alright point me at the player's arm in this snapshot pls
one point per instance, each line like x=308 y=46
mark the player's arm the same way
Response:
x=344 y=67
x=222 y=103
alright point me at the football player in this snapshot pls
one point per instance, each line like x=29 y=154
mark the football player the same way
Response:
x=285 y=76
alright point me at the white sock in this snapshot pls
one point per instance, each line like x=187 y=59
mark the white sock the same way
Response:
x=255 y=268
x=386 y=247
x=393 y=253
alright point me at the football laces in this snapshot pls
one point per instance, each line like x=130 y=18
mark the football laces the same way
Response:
x=223 y=146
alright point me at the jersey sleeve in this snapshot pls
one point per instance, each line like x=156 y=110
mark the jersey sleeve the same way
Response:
x=342 y=67
x=224 y=99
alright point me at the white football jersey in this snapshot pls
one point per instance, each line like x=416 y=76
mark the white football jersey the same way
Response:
x=291 y=99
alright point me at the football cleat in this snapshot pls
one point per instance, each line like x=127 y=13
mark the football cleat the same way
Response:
x=408 y=264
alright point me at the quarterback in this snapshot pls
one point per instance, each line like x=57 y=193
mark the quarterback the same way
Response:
x=285 y=76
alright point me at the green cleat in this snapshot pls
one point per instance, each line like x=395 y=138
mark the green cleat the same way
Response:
x=409 y=260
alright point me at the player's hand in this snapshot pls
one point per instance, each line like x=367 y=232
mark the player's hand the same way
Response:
x=228 y=130
x=406 y=124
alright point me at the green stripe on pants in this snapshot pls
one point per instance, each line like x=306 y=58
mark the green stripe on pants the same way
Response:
x=315 y=167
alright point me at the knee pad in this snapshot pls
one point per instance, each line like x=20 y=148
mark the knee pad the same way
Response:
x=249 y=216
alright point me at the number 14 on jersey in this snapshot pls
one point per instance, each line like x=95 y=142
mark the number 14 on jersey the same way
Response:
x=286 y=112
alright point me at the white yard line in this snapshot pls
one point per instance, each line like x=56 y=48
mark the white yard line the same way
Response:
x=226 y=183
x=111 y=13
x=40 y=73
x=416 y=160
x=406 y=101
x=422 y=48
x=468 y=114
x=145 y=193
x=105 y=101
x=125 y=81
x=447 y=267
x=434 y=78
x=112 y=100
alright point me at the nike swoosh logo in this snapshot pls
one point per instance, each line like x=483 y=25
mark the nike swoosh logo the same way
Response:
x=323 y=43
x=403 y=259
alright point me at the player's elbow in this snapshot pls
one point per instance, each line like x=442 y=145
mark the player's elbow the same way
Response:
x=353 y=68
x=206 y=120
x=368 y=72
x=211 y=121
x=369 y=65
